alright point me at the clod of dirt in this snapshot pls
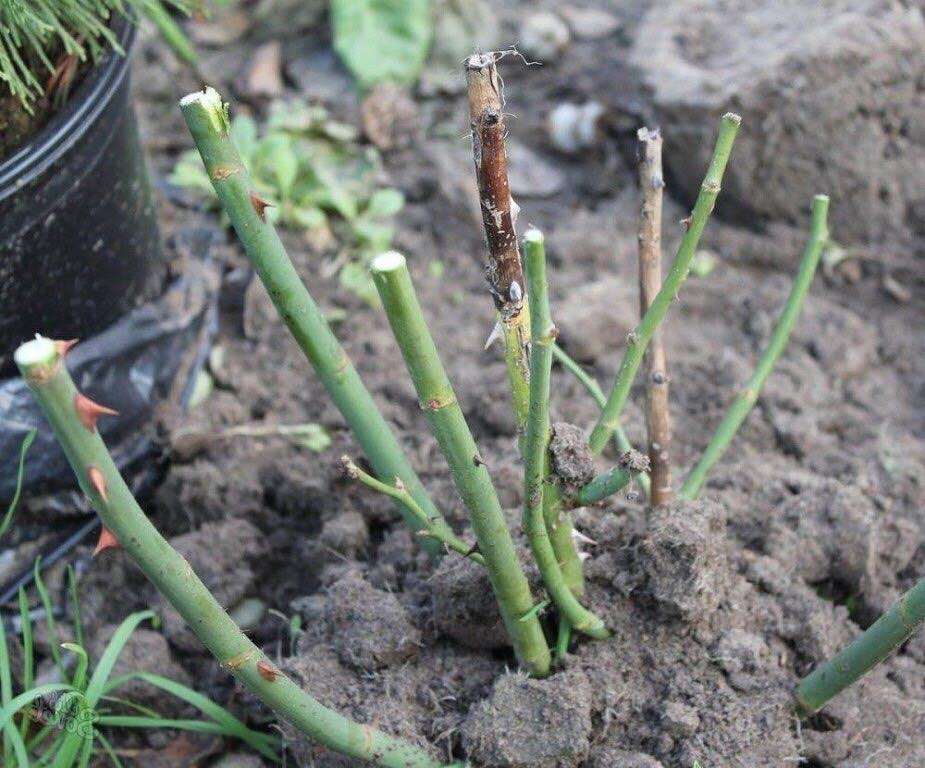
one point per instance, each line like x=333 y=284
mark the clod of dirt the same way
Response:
x=463 y=608
x=743 y=657
x=595 y=316
x=828 y=533
x=346 y=533
x=857 y=68
x=572 y=461
x=682 y=559
x=680 y=719
x=145 y=651
x=369 y=628
x=532 y=723
x=608 y=757
x=219 y=554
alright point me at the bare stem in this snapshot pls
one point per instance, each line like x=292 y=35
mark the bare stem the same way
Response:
x=470 y=476
x=43 y=368
x=658 y=423
x=399 y=493
x=883 y=637
x=503 y=270
x=207 y=118
x=536 y=451
x=640 y=337
x=745 y=400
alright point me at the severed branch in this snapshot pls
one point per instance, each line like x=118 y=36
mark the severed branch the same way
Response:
x=658 y=422
x=503 y=271
x=399 y=494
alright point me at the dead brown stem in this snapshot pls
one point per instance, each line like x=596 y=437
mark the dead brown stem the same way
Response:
x=503 y=271
x=658 y=423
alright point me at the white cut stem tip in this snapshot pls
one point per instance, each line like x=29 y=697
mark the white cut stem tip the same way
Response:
x=39 y=351
x=387 y=262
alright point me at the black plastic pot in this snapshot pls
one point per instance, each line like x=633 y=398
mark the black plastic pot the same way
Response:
x=78 y=232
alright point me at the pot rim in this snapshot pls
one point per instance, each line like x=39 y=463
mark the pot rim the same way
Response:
x=69 y=125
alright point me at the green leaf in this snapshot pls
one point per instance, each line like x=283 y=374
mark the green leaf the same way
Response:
x=382 y=40
x=244 y=134
x=383 y=203
x=355 y=277
x=311 y=436
x=373 y=236
x=308 y=216
x=277 y=157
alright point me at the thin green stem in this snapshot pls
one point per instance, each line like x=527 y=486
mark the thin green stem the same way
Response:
x=631 y=465
x=44 y=371
x=438 y=400
x=745 y=400
x=621 y=441
x=207 y=119
x=399 y=493
x=639 y=339
x=537 y=481
x=882 y=638
x=171 y=32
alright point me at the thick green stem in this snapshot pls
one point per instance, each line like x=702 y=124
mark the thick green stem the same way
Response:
x=639 y=339
x=882 y=638
x=591 y=386
x=537 y=481
x=43 y=369
x=632 y=464
x=207 y=119
x=399 y=493
x=745 y=400
x=470 y=476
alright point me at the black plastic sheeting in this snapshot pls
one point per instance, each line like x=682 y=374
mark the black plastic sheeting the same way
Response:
x=132 y=366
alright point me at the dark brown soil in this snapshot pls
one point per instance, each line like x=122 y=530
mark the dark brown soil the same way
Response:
x=809 y=526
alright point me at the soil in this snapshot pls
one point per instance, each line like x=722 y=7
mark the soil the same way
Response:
x=808 y=528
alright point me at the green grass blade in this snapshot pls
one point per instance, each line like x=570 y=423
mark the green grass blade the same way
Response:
x=110 y=752
x=75 y=606
x=6 y=693
x=97 y=684
x=14 y=502
x=231 y=725
x=83 y=662
x=18 y=702
x=49 y=619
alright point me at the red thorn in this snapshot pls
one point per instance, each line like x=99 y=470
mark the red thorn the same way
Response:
x=88 y=411
x=260 y=206
x=267 y=672
x=98 y=482
x=107 y=540
x=62 y=347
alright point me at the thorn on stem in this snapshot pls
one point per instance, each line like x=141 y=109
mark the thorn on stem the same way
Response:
x=88 y=411
x=62 y=347
x=478 y=460
x=686 y=223
x=106 y=541
x=260 y=206
x=267 y=672
x=98 y=482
